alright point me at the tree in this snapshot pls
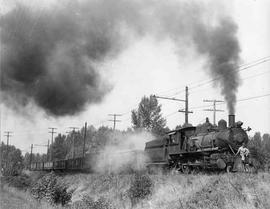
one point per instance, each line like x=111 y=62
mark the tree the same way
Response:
x=256 y=148
x=59 y=147
x=12 y=160
x=148 y=116
x=266 y=150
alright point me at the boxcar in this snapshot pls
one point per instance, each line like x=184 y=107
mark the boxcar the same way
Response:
x=48 y=166
x=59 y=165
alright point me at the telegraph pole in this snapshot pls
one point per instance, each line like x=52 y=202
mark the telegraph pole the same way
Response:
x=8 y=135
x=114 y=119
x=214 y=110
x=48 y=150
x=31 y=156
x=73 y=139
x=52 y=132
x=84 y=137
x=186 y=110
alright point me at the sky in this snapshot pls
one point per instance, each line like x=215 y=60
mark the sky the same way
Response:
x=156 y=66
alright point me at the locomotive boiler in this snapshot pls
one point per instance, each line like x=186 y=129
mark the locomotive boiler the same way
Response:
x=187 y=149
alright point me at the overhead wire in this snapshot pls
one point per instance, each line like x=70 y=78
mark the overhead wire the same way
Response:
x=188 y=84
x=192 y=92
x=240 y=68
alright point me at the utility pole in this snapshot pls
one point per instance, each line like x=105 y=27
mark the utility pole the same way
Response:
x=52 y=132
x=214 y=110
x=8 y=135
x=73 y=140
x=48 y=149
x=114 y=119
x=84 y=137
x=31 y=156
x=186 y=110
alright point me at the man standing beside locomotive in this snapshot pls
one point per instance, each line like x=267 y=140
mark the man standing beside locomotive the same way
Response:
x=244 y=152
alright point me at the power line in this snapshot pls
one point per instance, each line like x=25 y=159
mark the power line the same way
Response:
x=202 y=83
x=240 y=100
x=245 y=78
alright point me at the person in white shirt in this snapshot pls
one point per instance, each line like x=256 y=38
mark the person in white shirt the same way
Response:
x=243 y=151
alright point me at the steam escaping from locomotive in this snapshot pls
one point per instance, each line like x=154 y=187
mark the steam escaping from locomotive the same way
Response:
x=51 y=57
x=125 y=155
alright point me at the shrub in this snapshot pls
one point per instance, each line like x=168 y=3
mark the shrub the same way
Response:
x=49 y=188
x=141 y=188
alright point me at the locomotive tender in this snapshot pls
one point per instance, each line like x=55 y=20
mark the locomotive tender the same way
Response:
x=186 y=150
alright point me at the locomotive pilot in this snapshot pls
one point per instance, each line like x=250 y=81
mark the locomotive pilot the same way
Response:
x=243 y=151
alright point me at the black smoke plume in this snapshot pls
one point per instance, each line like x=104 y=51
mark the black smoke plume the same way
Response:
x=50 y=57
x=221 y=46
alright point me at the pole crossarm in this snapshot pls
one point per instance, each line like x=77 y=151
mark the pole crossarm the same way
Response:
x=169 y=98
x=185 y=111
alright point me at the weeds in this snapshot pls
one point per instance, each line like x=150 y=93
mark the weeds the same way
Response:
x=141 y=188
x=49 y=188
x=21 y=182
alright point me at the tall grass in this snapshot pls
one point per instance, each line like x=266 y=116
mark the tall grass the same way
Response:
x=225 y=191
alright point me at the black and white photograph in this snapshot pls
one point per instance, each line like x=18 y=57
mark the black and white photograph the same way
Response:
x=135 y=104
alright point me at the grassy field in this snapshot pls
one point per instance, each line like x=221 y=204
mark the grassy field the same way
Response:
x=226 y=191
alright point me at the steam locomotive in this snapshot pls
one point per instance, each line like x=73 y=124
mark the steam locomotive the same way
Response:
x=186 y=150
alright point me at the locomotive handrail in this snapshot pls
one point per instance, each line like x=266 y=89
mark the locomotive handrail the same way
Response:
x=231 y=149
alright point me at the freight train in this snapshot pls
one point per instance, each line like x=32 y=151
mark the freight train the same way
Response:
x=184 y=149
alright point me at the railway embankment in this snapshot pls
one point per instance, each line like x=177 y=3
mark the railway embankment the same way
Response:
x=104 y=191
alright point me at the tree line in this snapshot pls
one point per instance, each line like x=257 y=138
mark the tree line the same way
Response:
x=146 y=117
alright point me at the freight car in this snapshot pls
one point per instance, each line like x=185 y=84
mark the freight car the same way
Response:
x=186 y=150
x=74 y=164
x=125 y=160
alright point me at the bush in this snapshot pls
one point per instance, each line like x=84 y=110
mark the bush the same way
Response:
x=141 y=188
x=49 y=188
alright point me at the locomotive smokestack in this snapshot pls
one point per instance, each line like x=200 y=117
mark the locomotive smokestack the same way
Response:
x=231 y=120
